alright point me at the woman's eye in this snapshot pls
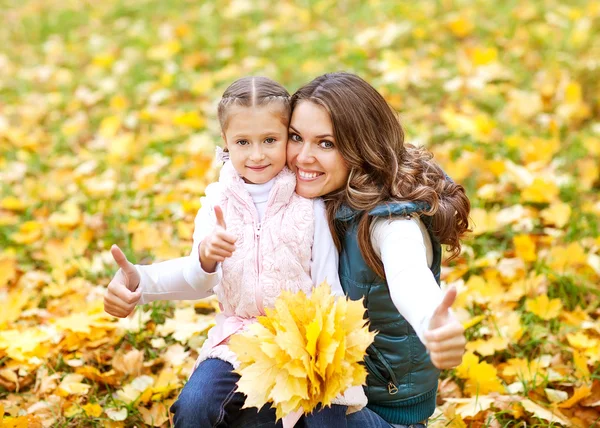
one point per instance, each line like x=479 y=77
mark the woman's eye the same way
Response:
x=243 y=142
x=270 y=140
x=326 y=144
x=295 y=137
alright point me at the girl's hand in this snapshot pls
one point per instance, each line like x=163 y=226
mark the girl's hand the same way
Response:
x=121 y=295
x=446 y=335
x=217 y=246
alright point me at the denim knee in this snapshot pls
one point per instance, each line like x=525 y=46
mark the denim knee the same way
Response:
x=209 y=397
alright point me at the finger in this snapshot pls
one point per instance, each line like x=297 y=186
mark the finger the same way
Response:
x=447 y=302
x=446 y=360
x=122 y=293
x=115 y=310
x=226 y=236
x=457 y=342
x=224 y=245
x=117 y=302
x=218 y=254
x=445 y=332
x=220 y=218
x=127 y=267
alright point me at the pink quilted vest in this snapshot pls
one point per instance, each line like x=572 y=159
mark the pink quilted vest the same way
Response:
x=271 y=256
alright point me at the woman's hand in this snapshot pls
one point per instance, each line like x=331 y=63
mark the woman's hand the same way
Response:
x=217 y=246
x=122 y=294
x=446 y=335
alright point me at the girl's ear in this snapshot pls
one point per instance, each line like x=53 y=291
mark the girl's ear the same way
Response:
x=224 y=140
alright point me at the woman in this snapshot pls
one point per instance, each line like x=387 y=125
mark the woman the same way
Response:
x=390 y=208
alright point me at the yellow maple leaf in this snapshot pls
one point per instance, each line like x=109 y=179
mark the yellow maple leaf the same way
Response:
x=8 y=269
x=481 y=377
x=581 y=365
x=487 y=347
x=543 y=307
x=525 y=247
x=578 y=395
x=304 y=352
x=461 y=26
x=581 y=340
x=540 y=191
x=523 y=370
x=92 y=409
x=29 y=232
x=558 y=214
x=561 y=257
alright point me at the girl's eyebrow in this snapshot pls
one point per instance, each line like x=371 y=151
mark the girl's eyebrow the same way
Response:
x=316 y=136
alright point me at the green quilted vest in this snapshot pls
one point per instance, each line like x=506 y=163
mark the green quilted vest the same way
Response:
x=401 y=381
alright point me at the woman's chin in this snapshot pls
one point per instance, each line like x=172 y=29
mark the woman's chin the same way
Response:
x=306 y=191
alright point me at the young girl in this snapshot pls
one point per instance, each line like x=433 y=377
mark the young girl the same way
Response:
x=254 y=237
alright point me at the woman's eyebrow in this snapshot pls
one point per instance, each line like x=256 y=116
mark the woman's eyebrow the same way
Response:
x=316 y=136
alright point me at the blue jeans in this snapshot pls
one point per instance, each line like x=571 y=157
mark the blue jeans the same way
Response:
x=210 y=399
x=366 y=418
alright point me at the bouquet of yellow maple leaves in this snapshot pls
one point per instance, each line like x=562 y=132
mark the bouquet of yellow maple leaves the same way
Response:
x=304 y=352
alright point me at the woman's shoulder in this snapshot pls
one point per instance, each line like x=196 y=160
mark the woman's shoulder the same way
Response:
x=405 y=227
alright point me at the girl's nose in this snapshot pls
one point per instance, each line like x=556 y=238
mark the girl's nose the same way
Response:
x=257 y=154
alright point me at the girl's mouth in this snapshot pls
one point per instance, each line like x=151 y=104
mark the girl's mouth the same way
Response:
x=257 y=168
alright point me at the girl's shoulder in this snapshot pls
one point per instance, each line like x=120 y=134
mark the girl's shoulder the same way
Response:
x=213 y=192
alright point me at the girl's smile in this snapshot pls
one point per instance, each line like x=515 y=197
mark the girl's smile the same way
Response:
x=256 y=139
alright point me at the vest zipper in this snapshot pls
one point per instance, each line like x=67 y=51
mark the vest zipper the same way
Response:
x=257 y=295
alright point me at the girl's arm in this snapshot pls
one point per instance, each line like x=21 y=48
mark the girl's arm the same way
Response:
x=404 y=247
x=325 y=257
x=182 y=278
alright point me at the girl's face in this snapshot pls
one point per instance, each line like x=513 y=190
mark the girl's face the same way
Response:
x=312 y=154
x=256 y=139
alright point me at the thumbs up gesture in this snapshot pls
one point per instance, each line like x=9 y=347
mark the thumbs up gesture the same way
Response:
x=121 y=293
x=218 y=245
x=445 y=337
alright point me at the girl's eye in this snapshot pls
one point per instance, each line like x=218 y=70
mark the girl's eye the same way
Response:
x=270 y=140
x=243 y=142
x=295 y=137
x=325 y=144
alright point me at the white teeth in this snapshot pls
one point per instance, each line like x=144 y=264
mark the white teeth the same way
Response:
x=307 y=175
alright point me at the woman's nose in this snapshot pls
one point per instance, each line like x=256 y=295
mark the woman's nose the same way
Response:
x=305 y=154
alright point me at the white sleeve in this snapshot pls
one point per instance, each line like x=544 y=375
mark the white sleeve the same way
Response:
x=403 y=243
x=182 y=278
x=325 y=257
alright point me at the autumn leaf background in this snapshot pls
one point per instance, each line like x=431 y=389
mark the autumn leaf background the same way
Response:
x=107 y=134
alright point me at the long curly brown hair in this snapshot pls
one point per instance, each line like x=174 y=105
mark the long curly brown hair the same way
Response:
x=382 y=168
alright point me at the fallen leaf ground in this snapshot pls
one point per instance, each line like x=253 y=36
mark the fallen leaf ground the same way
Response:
x=107 y=130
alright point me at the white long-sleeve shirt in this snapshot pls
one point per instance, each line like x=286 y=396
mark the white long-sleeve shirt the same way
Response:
x=184 y=279
x=402 y=243
x=405 y=249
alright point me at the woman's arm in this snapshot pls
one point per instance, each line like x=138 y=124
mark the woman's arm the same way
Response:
x=325 y=257
x=405 y=251
x=404 y=247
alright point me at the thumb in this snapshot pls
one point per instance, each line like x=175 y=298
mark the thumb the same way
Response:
x=440 y=315
x=447 y=301
x=125 y=265
x=219 y=215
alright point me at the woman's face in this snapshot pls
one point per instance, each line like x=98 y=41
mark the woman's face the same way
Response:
x=312 y=153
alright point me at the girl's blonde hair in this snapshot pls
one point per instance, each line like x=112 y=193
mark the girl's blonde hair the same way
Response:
x=254 y=91
x=382 y=168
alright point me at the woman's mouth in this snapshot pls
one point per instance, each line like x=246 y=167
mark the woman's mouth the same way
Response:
x=308 y=175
